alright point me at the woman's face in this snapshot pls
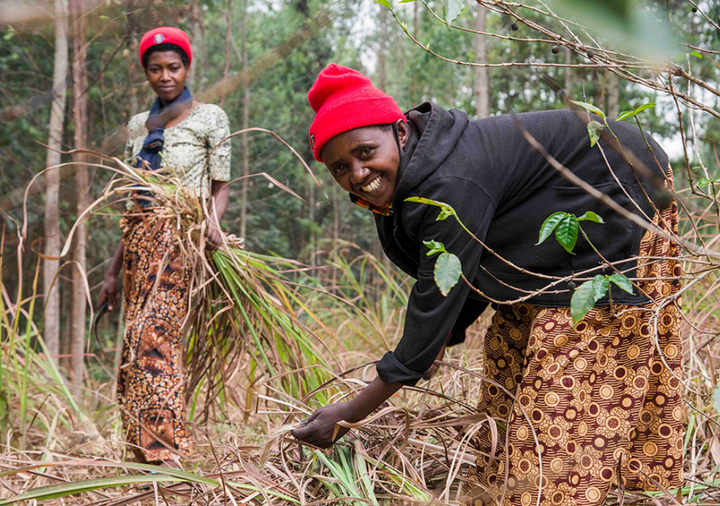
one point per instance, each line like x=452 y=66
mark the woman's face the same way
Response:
x=167 y=74
x=365 y=161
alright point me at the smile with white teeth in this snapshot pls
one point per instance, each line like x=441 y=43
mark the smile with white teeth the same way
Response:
x=372 y=185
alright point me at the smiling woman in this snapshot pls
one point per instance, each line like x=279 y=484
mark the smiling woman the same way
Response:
x=187 y=136
x=580 y=400
x=364 y=162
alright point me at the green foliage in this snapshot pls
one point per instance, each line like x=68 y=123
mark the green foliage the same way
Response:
x=705 y=181
x=566 y=227
x=434 y=247
x=631 y=114
x=587 y=294
x=591 y=108
x=452 y=9
x=622 y=282
x=447 y=272
x=594 y=129
x=447 y=267
x=591 y=216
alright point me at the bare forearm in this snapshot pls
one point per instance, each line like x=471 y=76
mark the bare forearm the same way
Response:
x=371 y=397
x=116 y=263
x=220 y=197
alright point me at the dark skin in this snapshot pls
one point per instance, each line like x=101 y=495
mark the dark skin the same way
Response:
x=167 y=75
x=364 y=162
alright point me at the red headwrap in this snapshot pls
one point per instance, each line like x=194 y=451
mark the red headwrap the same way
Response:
x=344 y=99
x=166 y=35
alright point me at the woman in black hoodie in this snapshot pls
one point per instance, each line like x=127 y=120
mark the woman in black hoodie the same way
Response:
x=601 y=395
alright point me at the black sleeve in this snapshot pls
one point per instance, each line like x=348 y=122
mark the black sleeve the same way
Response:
x=471 y=311
x=431 y=315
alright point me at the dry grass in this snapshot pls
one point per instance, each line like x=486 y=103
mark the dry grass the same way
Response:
x=281 y=343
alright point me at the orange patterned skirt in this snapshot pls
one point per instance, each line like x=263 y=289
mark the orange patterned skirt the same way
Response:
x=150 y=384
x=594 y=406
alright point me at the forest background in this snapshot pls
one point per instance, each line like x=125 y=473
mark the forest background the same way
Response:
x=74 y=85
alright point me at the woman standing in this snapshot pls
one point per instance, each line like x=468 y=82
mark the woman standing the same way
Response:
x=603 y=397
x=186 y=135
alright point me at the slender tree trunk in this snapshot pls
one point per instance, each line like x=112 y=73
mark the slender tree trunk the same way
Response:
x=133 y=69
x=51 y=327
x=568 y=74
x=196 y=34
x=413 y=86
x=482 y=76
x=613 y=95
x=245 y=124
x=383 y=48
x=228 y=36
x=79 y=304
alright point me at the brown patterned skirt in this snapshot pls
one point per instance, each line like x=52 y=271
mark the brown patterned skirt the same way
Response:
x=150 y=385
x=593 y=406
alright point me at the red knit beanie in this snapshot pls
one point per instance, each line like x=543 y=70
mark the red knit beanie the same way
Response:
x=344 y=99
x=166 y=35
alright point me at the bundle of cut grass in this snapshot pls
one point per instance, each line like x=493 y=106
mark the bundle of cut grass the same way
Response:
x=243 y=304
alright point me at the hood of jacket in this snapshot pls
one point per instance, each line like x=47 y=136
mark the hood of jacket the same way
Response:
x=430 y=125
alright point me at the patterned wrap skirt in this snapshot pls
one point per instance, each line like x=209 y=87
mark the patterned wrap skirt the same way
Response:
x=592 y=406
x=151 y=392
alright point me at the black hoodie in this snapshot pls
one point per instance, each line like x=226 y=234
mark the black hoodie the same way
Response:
x=503 y=191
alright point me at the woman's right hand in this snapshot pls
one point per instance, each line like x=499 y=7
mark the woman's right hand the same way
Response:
x=320 y=429
x=108 y=292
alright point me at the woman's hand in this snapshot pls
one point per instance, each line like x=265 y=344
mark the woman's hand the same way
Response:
x=320 y=427
x=108 y=292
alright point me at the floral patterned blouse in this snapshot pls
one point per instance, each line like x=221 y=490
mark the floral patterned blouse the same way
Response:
x=188 y=145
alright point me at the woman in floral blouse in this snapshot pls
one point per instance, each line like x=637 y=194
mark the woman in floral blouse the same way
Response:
x=186 y=135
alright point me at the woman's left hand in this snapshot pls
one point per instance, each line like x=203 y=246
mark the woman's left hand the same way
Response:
x=320 y=427
x=214 y=235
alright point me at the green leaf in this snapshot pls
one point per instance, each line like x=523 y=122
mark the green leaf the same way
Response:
x=445 y=209
x=594 y=129
x=583 y=300
x=384 y=3
x=590 y=108
x=447 y=272
x=445 y=212
x=549 y=225
x=644 y=107
x=625 y=115
x=591 y=216
x=707 y=181
x=695 y=54
x=435 y=247
x=623 y=282
x=566 y=232
x=600 y=285
x=452 y=9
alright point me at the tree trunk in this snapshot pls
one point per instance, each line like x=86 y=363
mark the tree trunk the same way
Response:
x=51 y=318
x=383 y=48
x=413 y=86
x=482 y=76
x=245 y=124
x=196 y=34
x=79 y=304
x=568 y=74
x=133 y=76
x=613 y=95
x=228 y=36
